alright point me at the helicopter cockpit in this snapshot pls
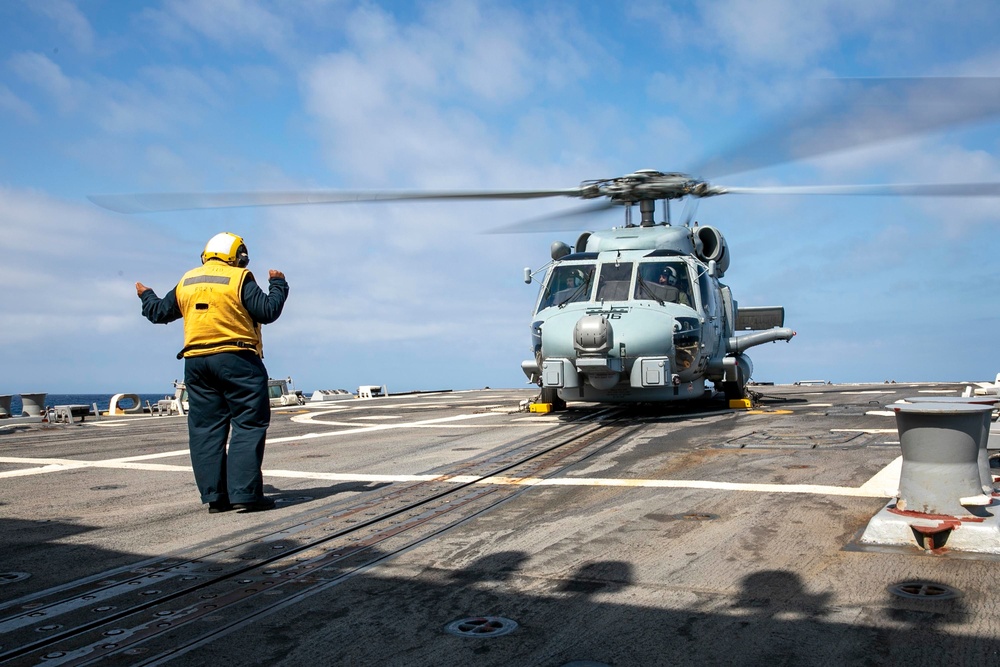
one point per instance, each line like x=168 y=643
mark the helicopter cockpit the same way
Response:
x=569 y=283
x=661 y=281
x=664 y=282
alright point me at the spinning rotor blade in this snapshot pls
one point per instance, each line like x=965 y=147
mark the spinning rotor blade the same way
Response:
x=574 y=219
x=862 y=112
x=880 y=189
x=179 y=201
x=690 y=210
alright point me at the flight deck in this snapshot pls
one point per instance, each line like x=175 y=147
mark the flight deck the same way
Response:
x=456 y=528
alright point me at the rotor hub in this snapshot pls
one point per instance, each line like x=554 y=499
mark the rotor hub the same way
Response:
x=647 y=185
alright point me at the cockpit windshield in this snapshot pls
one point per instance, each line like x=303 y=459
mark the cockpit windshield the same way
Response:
x=614 y=281
x=568 y=284
x=664 y=281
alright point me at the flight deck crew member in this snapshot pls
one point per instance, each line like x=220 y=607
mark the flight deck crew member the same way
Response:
x=226 y=381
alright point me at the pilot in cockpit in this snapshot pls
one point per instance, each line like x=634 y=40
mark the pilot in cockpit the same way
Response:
x=672 y=285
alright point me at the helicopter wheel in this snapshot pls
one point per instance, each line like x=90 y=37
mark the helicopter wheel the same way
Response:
x=737 y=390
x=551 y=395
x=733 y=391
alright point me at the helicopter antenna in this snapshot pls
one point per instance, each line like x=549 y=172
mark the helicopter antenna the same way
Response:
x=628 y=215
x=666 y=212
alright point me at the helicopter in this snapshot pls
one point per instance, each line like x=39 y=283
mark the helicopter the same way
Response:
x=638 y=313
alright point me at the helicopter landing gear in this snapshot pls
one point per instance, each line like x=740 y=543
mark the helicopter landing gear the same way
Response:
x=734 y=391
x=551 y=395
x=737 y=389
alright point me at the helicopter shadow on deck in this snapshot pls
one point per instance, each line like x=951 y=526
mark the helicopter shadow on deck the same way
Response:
x=671 y=411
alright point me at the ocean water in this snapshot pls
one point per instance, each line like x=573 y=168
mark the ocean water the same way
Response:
x=103 y=401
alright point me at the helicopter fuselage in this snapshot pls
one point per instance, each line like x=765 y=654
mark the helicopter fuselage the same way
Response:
x=638 y=314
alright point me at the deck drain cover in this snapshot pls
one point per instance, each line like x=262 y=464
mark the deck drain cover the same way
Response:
x=923 y=590
x=11 y=577
x=481 y=626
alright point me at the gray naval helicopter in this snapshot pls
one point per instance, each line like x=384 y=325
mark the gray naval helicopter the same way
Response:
x=638 y=313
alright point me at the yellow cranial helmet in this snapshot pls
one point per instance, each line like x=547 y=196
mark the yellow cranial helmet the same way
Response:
x=228 y=247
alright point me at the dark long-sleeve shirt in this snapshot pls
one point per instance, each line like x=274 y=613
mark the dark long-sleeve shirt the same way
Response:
x=263 y=308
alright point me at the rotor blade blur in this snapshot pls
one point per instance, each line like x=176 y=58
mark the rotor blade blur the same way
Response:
x=879 y=189
x=574 y=219
x=180 y=201
x=690 y=210
x=861 y=112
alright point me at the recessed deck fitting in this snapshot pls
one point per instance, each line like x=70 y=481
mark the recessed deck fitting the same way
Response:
x=924 y=590
x=481 y=626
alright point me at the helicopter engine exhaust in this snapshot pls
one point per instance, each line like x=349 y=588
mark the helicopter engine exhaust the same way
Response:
x=711 y=247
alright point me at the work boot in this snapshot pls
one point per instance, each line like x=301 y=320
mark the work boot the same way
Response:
x=216 y=506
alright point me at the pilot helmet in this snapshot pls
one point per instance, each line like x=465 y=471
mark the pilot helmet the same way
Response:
x=670 y=273
x=227 y=247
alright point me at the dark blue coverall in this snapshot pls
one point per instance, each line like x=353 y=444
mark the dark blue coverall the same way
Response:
x=226 y=389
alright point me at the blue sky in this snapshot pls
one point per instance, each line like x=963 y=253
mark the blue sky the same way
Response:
x=99 y=96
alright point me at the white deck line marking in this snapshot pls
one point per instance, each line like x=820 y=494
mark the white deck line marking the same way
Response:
x=882 y=485
x=77 y=465
x=877 y=487
x=376 y=427
x=886 y=481
x=52 y=467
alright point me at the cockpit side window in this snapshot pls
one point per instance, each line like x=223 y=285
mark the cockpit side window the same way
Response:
x=709 y=289
x=568 y=284
x=664 y=281
x=614 y=282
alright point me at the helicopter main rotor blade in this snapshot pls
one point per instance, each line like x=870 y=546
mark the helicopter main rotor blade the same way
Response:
x=878 y=189
x=574 y=219
x=862 y=112
x=152 y=202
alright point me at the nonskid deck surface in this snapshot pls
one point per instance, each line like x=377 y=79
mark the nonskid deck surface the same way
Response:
x=620 y=536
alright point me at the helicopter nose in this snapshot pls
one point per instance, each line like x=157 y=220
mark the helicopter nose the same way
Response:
x=593 y=338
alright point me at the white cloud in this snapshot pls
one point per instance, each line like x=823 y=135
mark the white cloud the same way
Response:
x=428 y=95
x=16 y=106
x=235 y=23
x=39 y=71
x=69 y=20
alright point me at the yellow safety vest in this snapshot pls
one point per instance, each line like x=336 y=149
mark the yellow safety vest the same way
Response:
x=215 y=319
